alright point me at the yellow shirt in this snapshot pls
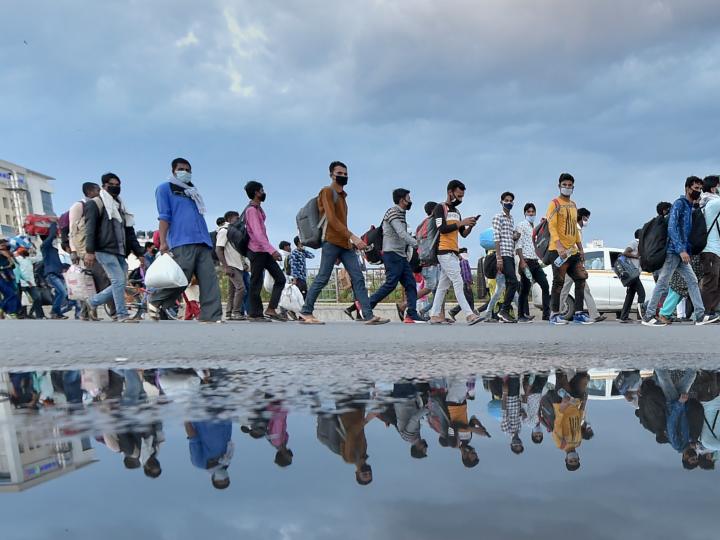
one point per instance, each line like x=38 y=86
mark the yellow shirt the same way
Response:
x=567 y=426
x=563 y=225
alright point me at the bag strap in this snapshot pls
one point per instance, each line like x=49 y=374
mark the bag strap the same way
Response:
x=557 y=209
x=713 y=224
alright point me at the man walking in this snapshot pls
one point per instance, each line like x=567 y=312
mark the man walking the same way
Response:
x=710 y=257
x=53 y=272
x=231 y=263
x=450 y=225
x=529 y=263
x=183 y=231
x=298 y=266
x=678 y=258
x=397 y=251
x=110 y=238
x=337 y=245
x=504 y=237
x=635 y=286
x=9 y=298
x=566 y=251
x=583 y=218
x=263 y=258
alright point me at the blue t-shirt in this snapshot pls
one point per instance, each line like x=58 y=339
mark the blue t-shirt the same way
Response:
x=211 y=442
x=187 y=225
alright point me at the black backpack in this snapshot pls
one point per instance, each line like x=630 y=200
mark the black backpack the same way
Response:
x=213 y=239
x=652 y=244
x=651 y=410
x=490 y=266
x=699 y=232
x=374 y=240
x=238 y=234
x=546 y=413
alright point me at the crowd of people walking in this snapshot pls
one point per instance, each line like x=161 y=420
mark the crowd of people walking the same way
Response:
x=98 y=233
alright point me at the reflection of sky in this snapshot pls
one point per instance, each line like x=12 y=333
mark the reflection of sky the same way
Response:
x=628 y=487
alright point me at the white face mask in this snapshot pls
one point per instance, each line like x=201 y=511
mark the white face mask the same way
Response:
x=566 y=191
x=585 y=222
x=184 y=176
x=530 y=219
x=464 y=256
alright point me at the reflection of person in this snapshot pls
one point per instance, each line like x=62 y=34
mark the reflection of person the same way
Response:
x=532 y=396
x=406 y=412
x=344 y=435
x=211 y=449
x=461 y=429
x=569 y=408
x=508 y=389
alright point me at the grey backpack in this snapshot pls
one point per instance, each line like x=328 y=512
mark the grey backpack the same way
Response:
x=311 y=226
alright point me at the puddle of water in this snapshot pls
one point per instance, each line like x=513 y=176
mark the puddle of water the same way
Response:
x=179 y=453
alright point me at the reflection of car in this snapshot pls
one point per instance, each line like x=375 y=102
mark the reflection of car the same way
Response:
x=605 y=286
x=601 y=386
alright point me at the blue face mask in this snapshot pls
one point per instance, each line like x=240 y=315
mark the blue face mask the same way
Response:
x=184 y=176
x=508 y=206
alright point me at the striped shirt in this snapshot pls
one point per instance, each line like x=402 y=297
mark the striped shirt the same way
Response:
x=503 y=234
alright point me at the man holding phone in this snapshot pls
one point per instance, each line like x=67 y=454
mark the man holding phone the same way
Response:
x=450 y=224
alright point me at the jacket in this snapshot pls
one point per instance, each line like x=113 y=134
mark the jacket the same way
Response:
x=100 y=234
x=679 y=227
x=51 y=258
x=395 y=235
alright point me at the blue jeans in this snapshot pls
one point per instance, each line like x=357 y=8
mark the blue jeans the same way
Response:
x=116 y=269
x=133 y=391
x=72 y=387
x=672 y=392
x=673 y=263
x=246 y=297
x=397 y=270
x=60 y=296
x=330 y=254
x=9 y=298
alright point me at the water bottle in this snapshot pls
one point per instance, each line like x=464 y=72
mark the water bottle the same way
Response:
x=559 y=261
x=527 y=273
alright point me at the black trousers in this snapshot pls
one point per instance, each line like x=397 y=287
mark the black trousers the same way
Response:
x=260 y=262
x=511 y=282
x=633 y=288
x=540 y=278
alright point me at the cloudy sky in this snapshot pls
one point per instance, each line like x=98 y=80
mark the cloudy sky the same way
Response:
x=503 y=94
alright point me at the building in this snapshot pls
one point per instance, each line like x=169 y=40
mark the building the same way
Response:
x=22 y=192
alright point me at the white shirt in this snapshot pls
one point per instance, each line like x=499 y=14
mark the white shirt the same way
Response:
x=233 y=258
x=635 y=253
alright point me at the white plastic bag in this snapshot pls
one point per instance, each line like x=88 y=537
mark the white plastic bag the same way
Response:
x=80 y=285
x=291 y=299
x=268 y=282
x=165 y=273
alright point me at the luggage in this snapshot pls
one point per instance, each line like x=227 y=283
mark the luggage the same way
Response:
x=165 y=273
x=35 y=224
x=700 y=231
x=238 y=234
x=546 y=413
x=490 y=266
x=80 y=284
x=374 y=240
x=291 y=299
x=652 y=244
x=311 y=225
x=427 y=236
x=541 y=236
x=625 y=270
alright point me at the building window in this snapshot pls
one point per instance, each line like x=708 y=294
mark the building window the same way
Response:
x=6 y=204
x=46 y=197
x=29 y=202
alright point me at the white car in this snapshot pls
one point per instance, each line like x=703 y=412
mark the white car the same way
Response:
x=605 y=287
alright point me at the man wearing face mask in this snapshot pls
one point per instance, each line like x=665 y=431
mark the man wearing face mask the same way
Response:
x=678 y=258
x=529 y=260
x=566 y=250
x=338 y=244
x=184 y=233
x=451 y=225
x=397 y=251
x=583 y=218
x=110 y=238
x=504 y=237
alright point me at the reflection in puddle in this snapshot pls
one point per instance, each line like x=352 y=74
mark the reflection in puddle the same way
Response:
x=218 y=425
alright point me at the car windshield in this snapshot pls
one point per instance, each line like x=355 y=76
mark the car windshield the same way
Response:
x=595 y=260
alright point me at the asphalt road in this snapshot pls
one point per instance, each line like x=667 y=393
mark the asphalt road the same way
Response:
x=352 y=349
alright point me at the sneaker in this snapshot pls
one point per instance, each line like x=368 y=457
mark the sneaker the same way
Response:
x=505 y=317
x=349 y=313
x=707 y=319
x=416 y=319
x=557 y=319
x=582 y=318
x=600 y=318
x=653 y=322
x=53 y=316
x=524 y=320
x=625 y=321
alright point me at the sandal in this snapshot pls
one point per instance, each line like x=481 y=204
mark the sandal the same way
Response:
x=276 y=317
x=309 y=319
x=473 y=320
x=375 y=321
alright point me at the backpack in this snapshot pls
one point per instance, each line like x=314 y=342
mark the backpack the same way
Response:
x=652 y=244
x=490 y=266
x=238 y=234
x=427 y=236
x=625 y=270
x=311 y=226
x=651 y=410
x=329 y=432
x=546 y=413
x=374 y=240
x=213 y=239
x=699 y=231
x=541 y=235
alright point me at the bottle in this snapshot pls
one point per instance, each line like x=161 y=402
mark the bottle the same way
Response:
x=527 y=273
x=559 y=261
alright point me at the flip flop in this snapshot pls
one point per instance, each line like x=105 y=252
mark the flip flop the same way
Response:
x=311 y=320
x=474 y=321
